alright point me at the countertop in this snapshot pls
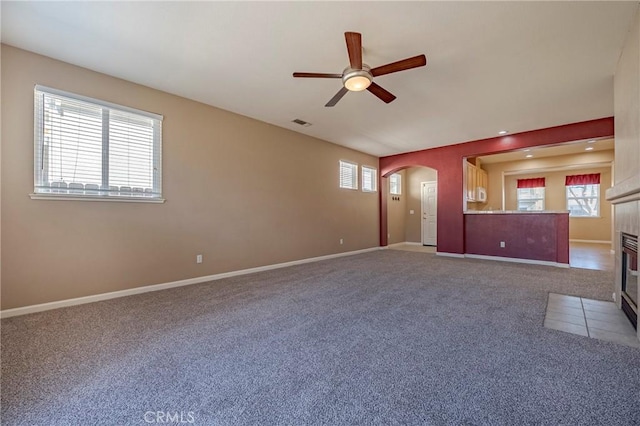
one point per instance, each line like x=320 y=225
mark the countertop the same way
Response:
x=517 y=212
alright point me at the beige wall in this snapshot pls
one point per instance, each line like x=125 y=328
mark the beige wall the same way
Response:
x=396 y=221
x=0 y=187
x=240 y=192
x=415 y=177
x=627 y=107
x=626 y=191
x=593 y=229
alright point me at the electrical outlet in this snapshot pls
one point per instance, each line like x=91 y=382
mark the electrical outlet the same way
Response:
x=502 y=244
x=341 y=241
x=411 y=211
x=199 y=258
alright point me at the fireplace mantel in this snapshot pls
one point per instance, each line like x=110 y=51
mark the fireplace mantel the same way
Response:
x=626 y=191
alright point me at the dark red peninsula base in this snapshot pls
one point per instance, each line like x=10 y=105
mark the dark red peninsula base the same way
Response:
x=539 y=237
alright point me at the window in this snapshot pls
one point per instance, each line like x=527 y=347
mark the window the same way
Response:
x=530 y=198
x=86 y=148
x=583 y=195
x=395 y=184
x=348 y=175
x=369 y=179
x=530 y=194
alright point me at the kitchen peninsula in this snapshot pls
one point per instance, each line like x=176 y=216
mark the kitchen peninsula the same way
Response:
x=540 y=237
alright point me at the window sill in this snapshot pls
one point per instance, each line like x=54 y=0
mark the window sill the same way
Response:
x=585 y=217
x=68 y=197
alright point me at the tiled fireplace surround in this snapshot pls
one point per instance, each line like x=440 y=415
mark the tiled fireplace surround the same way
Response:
x=625 y=197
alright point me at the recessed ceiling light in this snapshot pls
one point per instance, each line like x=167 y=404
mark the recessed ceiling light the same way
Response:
x=502 y=132
x=593 y=141
x=527 y=150
x=529 y=155
x=589 y=148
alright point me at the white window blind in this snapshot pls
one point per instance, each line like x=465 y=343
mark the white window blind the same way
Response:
x=348 y=175
x=89 y=148
x=369 y=179
x=395 y=184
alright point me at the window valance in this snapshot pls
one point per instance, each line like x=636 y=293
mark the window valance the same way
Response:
x=531 y=183
x=591 y=179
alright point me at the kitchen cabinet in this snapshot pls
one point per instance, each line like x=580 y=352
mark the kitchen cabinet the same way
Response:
x=483 y=179
x=472 y=182
x=476 y=177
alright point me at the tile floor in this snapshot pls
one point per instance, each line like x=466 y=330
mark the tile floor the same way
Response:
x=593 y=318
x=413 y=247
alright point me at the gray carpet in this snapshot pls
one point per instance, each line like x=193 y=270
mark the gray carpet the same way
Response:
x=386 y=337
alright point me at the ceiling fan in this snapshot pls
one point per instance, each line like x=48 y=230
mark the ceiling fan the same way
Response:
x=359 y=76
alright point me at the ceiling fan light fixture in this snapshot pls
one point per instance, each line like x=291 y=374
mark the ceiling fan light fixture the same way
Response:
x=358 y=76
x=357 y=83
x=357 y=80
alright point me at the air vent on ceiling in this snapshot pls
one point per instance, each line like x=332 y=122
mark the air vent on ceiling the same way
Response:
x=301 y=122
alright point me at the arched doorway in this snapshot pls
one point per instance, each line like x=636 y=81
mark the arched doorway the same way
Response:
x=412 y=206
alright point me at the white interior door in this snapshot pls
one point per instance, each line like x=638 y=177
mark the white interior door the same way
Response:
x=429 y=213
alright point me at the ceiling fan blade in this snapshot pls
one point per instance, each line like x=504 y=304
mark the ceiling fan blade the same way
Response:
x=381 y=93
x=354 y=47
x=405 y=64
x=316 y=75
x=337 y=97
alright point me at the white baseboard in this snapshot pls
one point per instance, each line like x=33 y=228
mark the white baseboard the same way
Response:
x=517 y=260
x=445 y=254
x=156 y=287
x=590 y=241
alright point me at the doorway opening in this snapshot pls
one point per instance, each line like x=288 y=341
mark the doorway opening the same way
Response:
x=412 y=208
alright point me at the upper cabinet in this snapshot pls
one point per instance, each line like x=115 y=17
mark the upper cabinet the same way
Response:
x=476 y=178
x=472 y=176
x=483 y=180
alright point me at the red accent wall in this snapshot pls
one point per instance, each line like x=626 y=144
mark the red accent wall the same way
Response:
x=535 y=236
x=447 y=160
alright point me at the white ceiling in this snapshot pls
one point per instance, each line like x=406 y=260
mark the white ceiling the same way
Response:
x=575 y=147
x=490 y=65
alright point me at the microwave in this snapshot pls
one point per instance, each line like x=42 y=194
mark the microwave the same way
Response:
x=481 y=194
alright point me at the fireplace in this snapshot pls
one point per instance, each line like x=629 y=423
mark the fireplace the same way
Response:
x=629 y=298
